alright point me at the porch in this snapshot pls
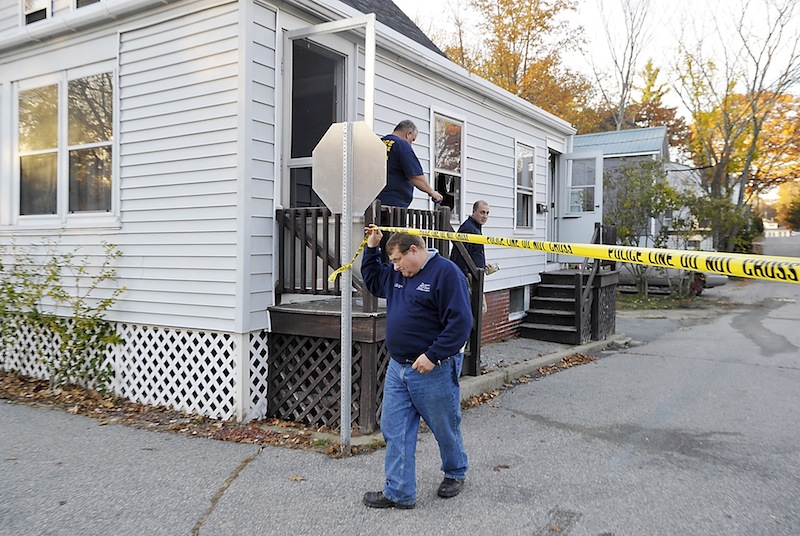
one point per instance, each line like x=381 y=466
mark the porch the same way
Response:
x=304 y=341
x=304 y=364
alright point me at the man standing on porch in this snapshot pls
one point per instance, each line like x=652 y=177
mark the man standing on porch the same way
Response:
x=428 y=320
x=473 y=225
x=403 y=170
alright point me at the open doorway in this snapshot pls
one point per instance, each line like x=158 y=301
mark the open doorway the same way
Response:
x=317 y=82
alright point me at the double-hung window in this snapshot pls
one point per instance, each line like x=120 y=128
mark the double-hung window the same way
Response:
x=524 y=186
x=65 y=131
x=448 y=143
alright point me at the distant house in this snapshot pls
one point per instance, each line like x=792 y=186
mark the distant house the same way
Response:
x=177 y=129
x=627 y=147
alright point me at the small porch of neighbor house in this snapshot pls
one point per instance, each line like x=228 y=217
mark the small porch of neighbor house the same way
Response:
x=304 y=360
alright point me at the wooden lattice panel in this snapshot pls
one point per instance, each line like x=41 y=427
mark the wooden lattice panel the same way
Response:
x=25 y=353
x=304 y=379
x=383 y=365
x=186 y=370
x=259 y=350
x=606 y=312
x=585 y=329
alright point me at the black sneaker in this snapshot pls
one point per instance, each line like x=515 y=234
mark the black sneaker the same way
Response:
x=376 y=499
x=450 y=487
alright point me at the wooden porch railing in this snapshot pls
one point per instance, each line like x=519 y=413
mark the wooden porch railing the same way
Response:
x=309 y=244
x=584 y=294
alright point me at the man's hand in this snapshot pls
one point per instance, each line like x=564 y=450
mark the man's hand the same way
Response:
x=423 y=364
x=374 y=236
x=436 y=196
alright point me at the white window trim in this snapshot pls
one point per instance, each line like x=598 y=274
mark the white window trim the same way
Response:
x=526 y=298
x=75 y=4
x=23 y=14
x=518 y=229
x=63 y=219
x=447 y=114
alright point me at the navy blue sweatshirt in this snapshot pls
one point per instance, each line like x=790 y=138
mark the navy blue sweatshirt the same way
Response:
x=475 y=251
x=428 y=313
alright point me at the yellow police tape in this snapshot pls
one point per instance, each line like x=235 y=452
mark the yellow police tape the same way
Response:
x=765 y=267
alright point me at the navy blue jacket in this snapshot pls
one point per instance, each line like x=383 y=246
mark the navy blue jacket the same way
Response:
x=401 y=163
x=475 y=250
x=428 y=313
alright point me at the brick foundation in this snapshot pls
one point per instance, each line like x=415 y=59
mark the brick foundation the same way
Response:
x=496 y=326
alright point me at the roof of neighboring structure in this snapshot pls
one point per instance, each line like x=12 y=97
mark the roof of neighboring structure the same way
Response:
x=392 y=16
x=652 y=140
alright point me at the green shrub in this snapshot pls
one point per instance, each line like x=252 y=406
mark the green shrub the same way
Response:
x=53 y=304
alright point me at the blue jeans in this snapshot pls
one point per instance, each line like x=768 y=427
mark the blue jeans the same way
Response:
x=436 y=397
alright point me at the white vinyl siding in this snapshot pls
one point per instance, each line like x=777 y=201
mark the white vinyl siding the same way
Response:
x=489 y=156
x=262 y=192
x=10 y=15
x=178 y=91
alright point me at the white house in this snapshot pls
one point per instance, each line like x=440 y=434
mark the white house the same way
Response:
x=175 y=129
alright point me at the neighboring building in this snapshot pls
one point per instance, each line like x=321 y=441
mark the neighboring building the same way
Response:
x=175 y=129
x=773 y=229
x=627 y=147
x=686 y=180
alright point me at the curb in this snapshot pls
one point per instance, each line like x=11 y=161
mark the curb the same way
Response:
x=477 y=385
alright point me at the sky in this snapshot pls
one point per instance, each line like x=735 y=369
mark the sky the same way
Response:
x=667 y=20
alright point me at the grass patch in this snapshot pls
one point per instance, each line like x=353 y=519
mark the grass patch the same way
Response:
x=635 y=302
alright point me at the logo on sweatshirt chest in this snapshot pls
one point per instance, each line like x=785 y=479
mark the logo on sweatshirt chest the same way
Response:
x=424 y=287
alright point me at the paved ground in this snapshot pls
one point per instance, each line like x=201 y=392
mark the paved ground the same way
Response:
x=693 y=431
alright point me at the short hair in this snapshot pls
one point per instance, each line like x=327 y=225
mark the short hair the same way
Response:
x=403 y=242
x=478 y=203
x=406 y=125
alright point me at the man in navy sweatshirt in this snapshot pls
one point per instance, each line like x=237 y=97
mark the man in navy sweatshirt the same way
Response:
x=473 y=225
x=428 y=320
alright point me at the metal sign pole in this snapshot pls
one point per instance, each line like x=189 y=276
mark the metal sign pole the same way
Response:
x=347 y=293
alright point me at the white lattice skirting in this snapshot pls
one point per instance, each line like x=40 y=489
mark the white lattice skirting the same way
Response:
x=191 y=371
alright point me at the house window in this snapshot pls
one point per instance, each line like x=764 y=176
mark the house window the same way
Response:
x=85 y=153
x=524 y=186
x=84 y=3
x=447 y=166
x=36 y=10
x=516 y=302
x=581 y=189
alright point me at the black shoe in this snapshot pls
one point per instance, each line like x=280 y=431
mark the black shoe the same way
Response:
x=450 y=487
x=376 y=499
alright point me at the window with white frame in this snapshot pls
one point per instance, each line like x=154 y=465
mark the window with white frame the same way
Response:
x=582 y=183
x=36 y=10
x=65 y=146
x=524 y=186
x=84 y=3
x=448 y=145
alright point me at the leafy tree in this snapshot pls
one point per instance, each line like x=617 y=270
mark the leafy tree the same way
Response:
x=625 y=48
x=792 y=218
x=520 y=49
x=777 y=157
x=650 y=110
x=733 y=102
x=635 y=194
x=788 y=205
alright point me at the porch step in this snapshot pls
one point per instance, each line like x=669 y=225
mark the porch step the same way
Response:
x=552 y=303
x=550 y=290
x=552 y=317
x=549 y=332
